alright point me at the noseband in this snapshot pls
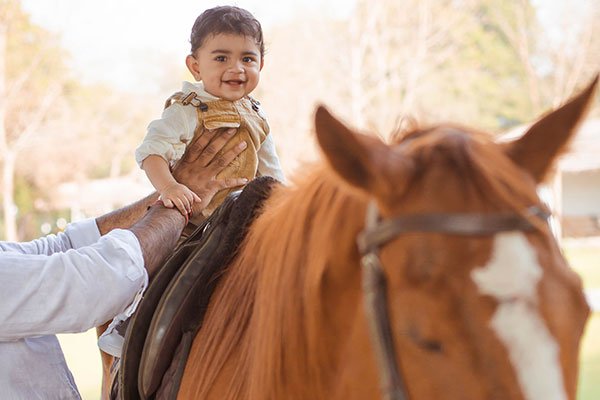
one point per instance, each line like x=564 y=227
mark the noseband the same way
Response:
x=377 y=233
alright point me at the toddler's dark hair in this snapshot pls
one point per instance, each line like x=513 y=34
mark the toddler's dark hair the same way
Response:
x=226 y=19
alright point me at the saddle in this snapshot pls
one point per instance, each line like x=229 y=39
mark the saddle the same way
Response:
x=161 y=331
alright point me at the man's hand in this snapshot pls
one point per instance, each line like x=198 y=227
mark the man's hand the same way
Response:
x=197 y=170
x=160 y=228
x=200 y=165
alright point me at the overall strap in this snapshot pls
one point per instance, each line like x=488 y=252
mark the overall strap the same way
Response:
x=191 y=98
x=255 y=103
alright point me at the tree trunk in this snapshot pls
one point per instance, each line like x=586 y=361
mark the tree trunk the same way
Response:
x=8 y=158
x=8 y=189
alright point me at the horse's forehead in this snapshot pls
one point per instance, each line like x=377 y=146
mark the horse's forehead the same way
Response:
x=511 y=277
x=447 y=135
x=436 y=148
x=453 y=169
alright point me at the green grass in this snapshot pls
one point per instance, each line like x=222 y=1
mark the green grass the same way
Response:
x=83 y=358
x=585 y=259
x=589 y=372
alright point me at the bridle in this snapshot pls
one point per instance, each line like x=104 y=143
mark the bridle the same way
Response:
x=377 y=233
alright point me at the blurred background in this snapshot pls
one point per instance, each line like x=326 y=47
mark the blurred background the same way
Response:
x=81 y=79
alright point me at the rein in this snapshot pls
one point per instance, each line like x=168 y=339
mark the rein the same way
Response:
x=377 y=233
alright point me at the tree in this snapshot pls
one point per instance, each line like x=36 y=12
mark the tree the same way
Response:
x=557 y=46
x=433 y=60
x=32 y=76
x=305 y=64
x=53 y=128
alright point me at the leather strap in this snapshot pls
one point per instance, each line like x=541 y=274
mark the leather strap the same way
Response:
x=377 y=234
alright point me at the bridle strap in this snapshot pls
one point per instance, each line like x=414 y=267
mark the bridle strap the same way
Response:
x=378 y=232
x=375 y=297
x=374 y=286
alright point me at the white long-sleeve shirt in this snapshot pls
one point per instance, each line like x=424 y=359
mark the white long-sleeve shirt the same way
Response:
x=63 y=283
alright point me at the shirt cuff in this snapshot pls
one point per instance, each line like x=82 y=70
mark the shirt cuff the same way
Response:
x=83 y=233
x=131 y=245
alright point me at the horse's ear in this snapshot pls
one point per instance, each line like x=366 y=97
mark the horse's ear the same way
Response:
x=353 y=156
x=536 y=150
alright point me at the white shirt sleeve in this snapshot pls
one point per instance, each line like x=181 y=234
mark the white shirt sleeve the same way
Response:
x=77 y=234
x=268 y=161
x=47 y=286
x=168 y=136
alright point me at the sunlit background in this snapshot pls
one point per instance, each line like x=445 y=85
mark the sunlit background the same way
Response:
x=81 y=79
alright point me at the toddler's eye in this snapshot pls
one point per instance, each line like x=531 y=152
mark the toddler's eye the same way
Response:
x=220 y=58
x=248 y=59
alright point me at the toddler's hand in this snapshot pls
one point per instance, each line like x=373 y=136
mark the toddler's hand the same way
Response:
x=180 y=196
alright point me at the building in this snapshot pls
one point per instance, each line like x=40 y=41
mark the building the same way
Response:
x=574 y=191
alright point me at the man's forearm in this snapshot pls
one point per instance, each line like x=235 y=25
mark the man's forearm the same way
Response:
x=125 y=217
x=158 y=233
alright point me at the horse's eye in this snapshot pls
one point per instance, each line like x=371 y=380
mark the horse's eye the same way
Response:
x=431 y=345
x=425 y=343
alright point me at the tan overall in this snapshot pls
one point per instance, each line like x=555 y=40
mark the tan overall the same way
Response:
x=252 y=128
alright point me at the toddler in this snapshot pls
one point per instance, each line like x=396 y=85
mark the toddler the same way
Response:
x=225 y=60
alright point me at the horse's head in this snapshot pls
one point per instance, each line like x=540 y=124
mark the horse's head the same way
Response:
x=482 y=304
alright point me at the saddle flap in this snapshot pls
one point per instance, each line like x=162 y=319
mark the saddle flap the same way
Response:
x=140 y=321
x=172 y=313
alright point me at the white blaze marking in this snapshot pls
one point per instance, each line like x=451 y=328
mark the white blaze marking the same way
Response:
x=511 y=277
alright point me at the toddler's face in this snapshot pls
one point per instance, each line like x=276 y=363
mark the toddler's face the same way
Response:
x=229 y=65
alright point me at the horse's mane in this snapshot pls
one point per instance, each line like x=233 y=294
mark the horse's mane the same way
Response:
x=271 y=298
x=284 y=231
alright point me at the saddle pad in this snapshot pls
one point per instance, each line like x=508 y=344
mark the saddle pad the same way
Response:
x=177 y=298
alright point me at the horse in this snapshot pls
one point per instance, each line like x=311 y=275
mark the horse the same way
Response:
x=420 y=269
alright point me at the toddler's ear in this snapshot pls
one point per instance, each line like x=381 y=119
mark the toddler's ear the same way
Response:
x=262 y=63
x=193 y=66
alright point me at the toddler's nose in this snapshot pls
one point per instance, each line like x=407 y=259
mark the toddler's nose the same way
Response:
x=237 y=67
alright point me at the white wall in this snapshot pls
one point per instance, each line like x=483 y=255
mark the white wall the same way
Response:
x=581 y=193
